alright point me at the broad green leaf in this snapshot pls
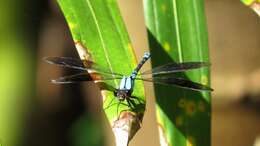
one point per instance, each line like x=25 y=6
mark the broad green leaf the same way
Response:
x=253 y=4
x=177 y=33
x=97 y=28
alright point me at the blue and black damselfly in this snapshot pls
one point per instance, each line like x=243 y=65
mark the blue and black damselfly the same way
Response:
x=160 y=75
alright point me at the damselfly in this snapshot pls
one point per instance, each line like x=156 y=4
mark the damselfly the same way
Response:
x=160 y=75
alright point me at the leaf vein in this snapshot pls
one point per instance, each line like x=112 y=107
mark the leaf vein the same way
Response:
x=101 y=38
x=178 y=37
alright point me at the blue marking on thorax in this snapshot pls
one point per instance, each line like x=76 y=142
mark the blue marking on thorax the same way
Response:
x=126 y=83
x=122 y=83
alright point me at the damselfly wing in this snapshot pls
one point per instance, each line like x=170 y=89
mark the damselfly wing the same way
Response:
x=160 y=74
x=175 y=67
x=82 y=65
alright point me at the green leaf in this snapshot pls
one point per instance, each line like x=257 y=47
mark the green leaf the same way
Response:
x=177 y=33
x=97 y=25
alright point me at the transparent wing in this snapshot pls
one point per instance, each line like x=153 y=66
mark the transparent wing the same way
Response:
x=175 y=67
x=84 y=65
x=66 y=62
x=80 y=77
x=180 y=82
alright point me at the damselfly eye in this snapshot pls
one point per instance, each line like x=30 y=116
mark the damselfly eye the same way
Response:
x=121 y=95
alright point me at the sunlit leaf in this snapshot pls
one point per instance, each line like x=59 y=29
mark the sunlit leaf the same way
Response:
x=177 y=33
x=97 y=28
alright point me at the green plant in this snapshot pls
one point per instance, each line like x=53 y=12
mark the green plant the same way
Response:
x=177 y=32
x=15 y=73
x=97 y=25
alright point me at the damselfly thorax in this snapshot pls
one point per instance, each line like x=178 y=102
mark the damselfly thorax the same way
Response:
x=127 y=82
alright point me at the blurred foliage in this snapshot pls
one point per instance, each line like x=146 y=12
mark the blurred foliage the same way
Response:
x=15 y=73
x=87 y=132
x=177 y=32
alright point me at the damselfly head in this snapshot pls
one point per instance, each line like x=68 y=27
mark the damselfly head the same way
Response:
x=121 y=95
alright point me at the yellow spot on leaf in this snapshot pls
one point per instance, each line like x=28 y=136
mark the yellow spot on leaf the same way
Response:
x=190 y=141
x=181 y=103
x=129 y=46
x=163 y=7
x=166 y=46
x=190 y=108
x=72 y=25
x=204 y=80
x=179 y=121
